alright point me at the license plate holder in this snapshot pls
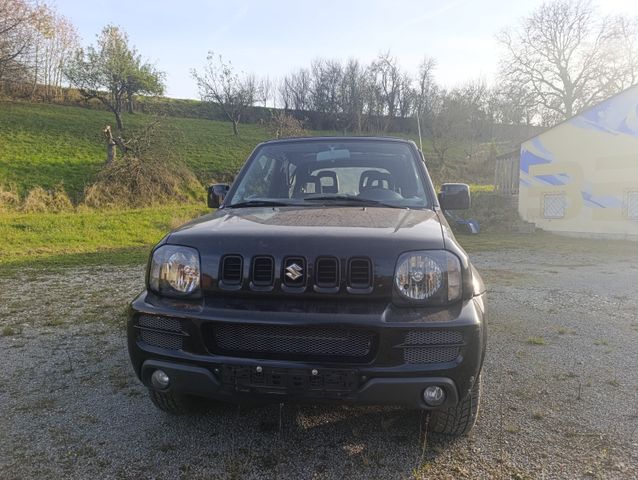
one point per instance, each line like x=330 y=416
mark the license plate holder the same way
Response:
x=290 y=381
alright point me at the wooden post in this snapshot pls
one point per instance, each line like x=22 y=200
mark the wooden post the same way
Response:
x=111 y=152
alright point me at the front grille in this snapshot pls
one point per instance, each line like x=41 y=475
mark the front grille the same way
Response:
x=163 y=332
x=327 y=274
x=296 y=273
x=263 y=271
x=291 y=342
x=432 y=346
x=360 y=273
x=430 y=354
x=231 y=269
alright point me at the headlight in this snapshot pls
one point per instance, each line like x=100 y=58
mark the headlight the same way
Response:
x=429 y=276
x=175 y=271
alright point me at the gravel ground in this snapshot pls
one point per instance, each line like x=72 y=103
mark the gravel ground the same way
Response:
x=561 y=390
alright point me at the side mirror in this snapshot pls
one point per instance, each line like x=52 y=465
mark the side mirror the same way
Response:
x=216 y=194
x=454 y=196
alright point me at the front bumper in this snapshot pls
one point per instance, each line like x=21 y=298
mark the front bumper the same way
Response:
x=387 y=374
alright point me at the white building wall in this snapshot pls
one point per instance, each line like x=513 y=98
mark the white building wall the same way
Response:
x=581 y=177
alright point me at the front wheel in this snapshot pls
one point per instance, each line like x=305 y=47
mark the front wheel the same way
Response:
x=172 y=403
x=459 y=419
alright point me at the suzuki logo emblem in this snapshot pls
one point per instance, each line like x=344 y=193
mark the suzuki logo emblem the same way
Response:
x=294 y=271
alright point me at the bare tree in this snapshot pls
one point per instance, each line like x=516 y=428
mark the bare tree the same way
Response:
x=566 y=58
x=220 y=84
x=387 y=76
x=54 y=38
x=407 y=96
x=458 y=119
x=326 y=86
x=426 y=88
x=353 y=95
x=265 y=90
x=623 y=51
x=15 y=35
x=295 y=90
x=514 y=104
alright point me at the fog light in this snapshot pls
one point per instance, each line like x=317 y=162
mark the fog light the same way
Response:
x=434 y=396
x=160 y=380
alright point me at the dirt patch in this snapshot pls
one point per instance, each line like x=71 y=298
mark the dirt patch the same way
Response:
x=501 y=276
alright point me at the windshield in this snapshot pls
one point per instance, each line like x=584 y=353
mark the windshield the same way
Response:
x=346 y=172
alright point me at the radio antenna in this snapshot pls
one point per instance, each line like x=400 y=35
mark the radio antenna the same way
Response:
x=418 y=124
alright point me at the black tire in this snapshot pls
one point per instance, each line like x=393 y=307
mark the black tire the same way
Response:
x=172 y=403
x=458 y=420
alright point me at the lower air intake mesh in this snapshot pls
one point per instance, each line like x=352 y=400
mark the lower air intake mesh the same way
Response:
x=433 y=337
x=163 y=332
x=430 y=354
x=275 y=341
x=432 y=346
x=162 y=340
x=160 y=323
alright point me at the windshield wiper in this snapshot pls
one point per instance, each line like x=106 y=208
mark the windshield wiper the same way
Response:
x=259 y=203
x=349 y=198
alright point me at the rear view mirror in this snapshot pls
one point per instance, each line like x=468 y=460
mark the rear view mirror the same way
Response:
x=454 y=196
x=216 y=194
x=333 y=154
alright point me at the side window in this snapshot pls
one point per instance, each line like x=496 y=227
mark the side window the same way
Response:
x=259 y=179
x=554 y=205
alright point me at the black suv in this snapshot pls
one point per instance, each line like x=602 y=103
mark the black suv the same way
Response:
x=327 y=273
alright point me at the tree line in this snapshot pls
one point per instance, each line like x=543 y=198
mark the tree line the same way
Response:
x=559 y=60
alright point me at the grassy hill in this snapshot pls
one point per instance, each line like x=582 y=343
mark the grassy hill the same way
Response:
x=45 y=145
x=48 y=144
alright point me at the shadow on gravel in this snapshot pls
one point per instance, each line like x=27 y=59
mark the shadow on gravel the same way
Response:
x=301 y=440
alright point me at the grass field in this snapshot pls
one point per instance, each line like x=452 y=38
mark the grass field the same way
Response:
x=47 y=144
x=86 y=237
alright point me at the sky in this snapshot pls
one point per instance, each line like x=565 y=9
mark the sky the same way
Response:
x=276 y=37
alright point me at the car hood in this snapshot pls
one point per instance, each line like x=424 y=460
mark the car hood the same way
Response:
x=316 y=230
